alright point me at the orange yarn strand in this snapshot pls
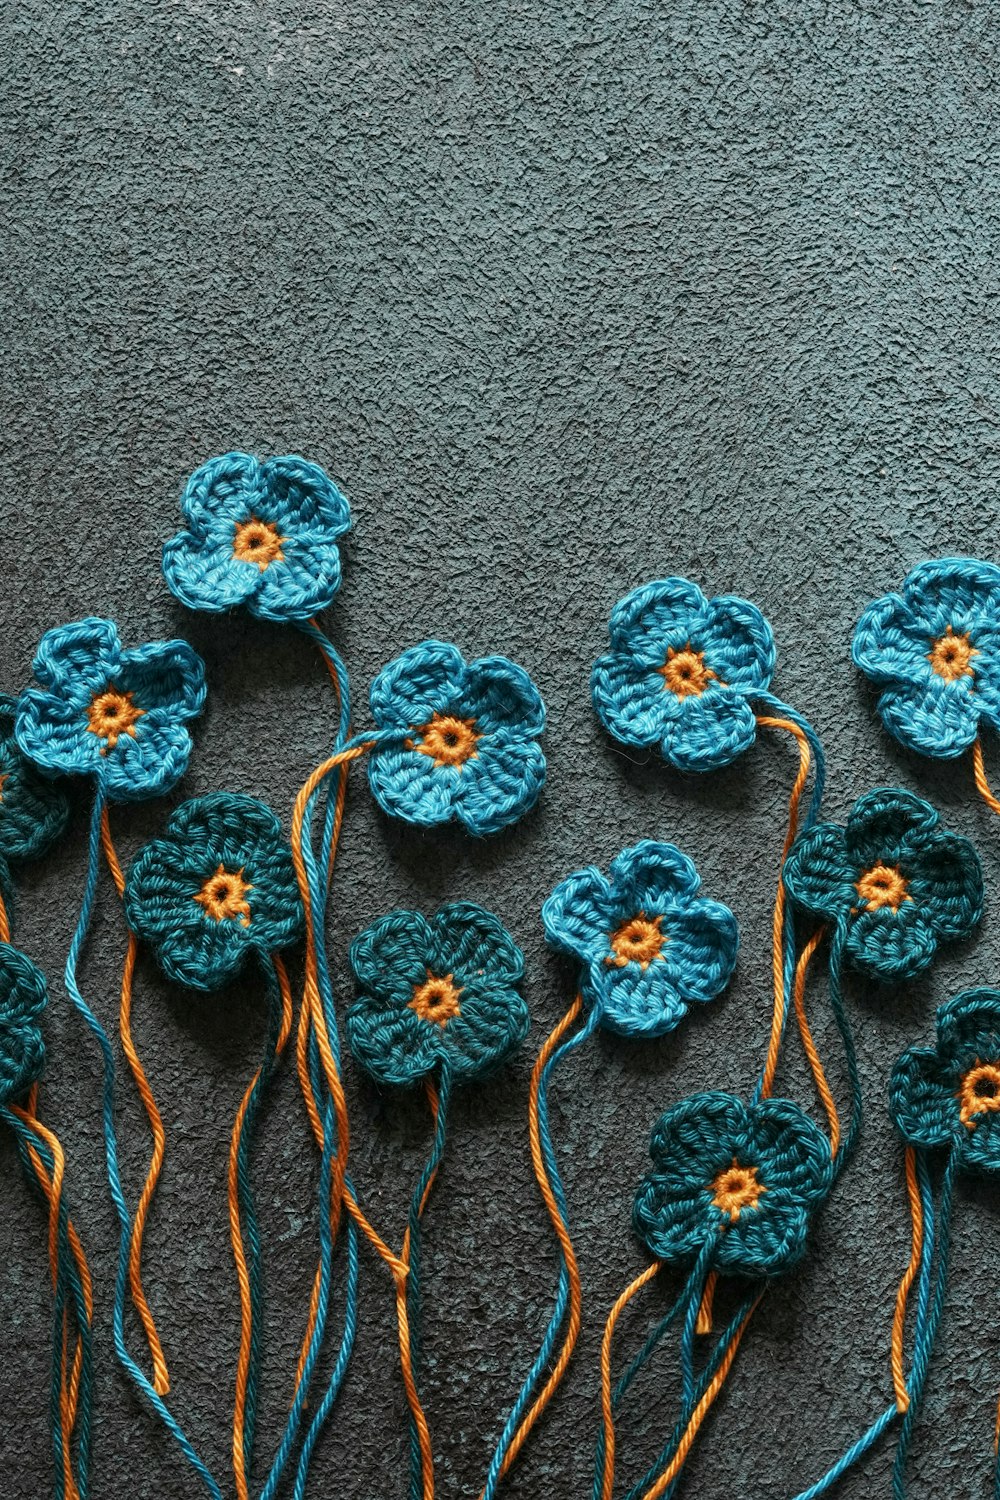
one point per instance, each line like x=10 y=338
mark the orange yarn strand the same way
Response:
x=916 y=1247
x=607 y=1411
x=4 y=921
x=704 y=1321
x=809 y=1046
x=979 y=772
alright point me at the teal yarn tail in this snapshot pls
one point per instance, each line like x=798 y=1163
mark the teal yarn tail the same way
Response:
x=783 y=711
x=557 y=1318
x=850 y=1138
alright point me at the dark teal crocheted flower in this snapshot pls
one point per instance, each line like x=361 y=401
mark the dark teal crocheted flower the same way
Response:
x=461 y=739
x=23 y=997
x=649 y=945
x=260 y=534
x=949 y=1095
x=33 y=808
x=934 y=652
x=897 y=882
x=436 y=993
x=217 y=888
x=681 y=673
x=745 y=1177
x=120 y=716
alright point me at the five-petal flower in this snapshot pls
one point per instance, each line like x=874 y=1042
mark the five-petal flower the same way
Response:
x=681 y=673
x=436 y=992
x=897 y=882
x=23 y=996
x=648 y=944
x=949 y=1095
x=260 y=534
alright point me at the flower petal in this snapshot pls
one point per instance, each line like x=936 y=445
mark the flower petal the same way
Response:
x=710 y=731
x=890 y=644
x=492 y=1023
x=879 y=822
x=33 y=810
x=673 y=1226
x=52 y=732
x=634 y=1001
x=737 y=643
x=426 y=679
x=698 y=1136
x=766 y=1240
x=650 y=874
x=391 y=1042
x=701 y=948
x=655 y=617
x=962 y=592
x=76 y=661
x=168 y=680
x=922 y=1100
x=580 y=915
x=500 y=783
x=980 y=1148
x=409 y=785
x=303 y=582
x=148 y=765
x=394 y=954
x=631 y=701
x=224 y=490
x=946 y=879
x=499 y=694
x=819 y=874
x=201 y=571
x=793 y=1152
x=302 y=492
x=892 y=944
x=205 y=956
x=470 y=942
x=937 y=718
x=963 y=1021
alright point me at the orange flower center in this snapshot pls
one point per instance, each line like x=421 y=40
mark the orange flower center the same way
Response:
x=437 y=999
x=883 y=885
x=223 y=896
x=684 y=672
x=637 y=941
x=258 y=542
x=112 y=714
x=951 y=656
x=979 y=1092
x=449 y=741
x=735 y=1189
x=3 y=782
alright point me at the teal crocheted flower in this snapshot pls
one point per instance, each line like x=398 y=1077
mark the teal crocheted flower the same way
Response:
x=460 y=739
x=436 y=993
x=217 y=888
x=745 y=1177
x=120 y=716
x=33 y=809
x=681 y=673
x=949 y=1095
x=23 y=997
x=260 y=534
x=934 y=652
x=649 y=946
x=897 y=882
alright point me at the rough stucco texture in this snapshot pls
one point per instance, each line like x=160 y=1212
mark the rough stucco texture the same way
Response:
x=566 y=297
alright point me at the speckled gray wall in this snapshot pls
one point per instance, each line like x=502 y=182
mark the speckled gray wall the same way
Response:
x=566 y=297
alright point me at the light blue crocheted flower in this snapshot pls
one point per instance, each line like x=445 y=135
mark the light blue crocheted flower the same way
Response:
x=120 y=716
x=260 y=534
x=23 y=996
x=460 y=740
x=681 y=672
x=934 y=652
x=436 y=992
x=648 y=944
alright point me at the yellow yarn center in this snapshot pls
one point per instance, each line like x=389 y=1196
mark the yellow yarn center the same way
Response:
x=437 y=999
x=979 y=1093
x=951 y=656
x=684 y=672
x=112 y=714
x=735 y=1189
x=637 y=941
x=258 y=542
x=449 y=741
x=223 y=896
x=883 y=885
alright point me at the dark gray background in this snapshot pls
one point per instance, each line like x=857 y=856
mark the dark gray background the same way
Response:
x=566 y=298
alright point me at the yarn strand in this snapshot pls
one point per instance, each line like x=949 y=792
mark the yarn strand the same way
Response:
x=979 y=773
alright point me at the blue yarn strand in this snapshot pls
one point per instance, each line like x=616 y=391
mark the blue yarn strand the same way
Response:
x=850 y=1137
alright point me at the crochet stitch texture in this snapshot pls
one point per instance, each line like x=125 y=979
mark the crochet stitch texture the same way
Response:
x=949 y=1095
x=33 y=809
x=260 y=534
x=460 y=739
x=120 y=716
x=437 y=992
x=218 y=888
x=681 y=671
x=648 y=944
x=744 y=1177
x=933 y=650
x=23 y=997
x=896 y=880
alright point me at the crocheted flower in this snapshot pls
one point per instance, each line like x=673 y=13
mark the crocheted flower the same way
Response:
x=462 y=739
x=23 y=997
x=436 y=992
x=259 y=534
x=33 y=809
x=949 y=1095
x=934 y=650
x=898 y=882
x=218 y=887
x=744 y=1176
x=118 y=715
x=681 y=671
x=649 y=945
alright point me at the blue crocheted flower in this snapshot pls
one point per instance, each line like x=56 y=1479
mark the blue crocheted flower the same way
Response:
x=33 y=809
x=648 y=944
x=217 y=888
x=744 y=1176
x=120 y=716
x=23 y=997
x=934 y=651
x=260 y=534
x=949 y=1095
x=461 y=739
x=681 y=672
x=898 y=883
x=436 y=993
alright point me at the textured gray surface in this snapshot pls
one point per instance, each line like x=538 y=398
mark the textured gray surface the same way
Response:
x=566 y=297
